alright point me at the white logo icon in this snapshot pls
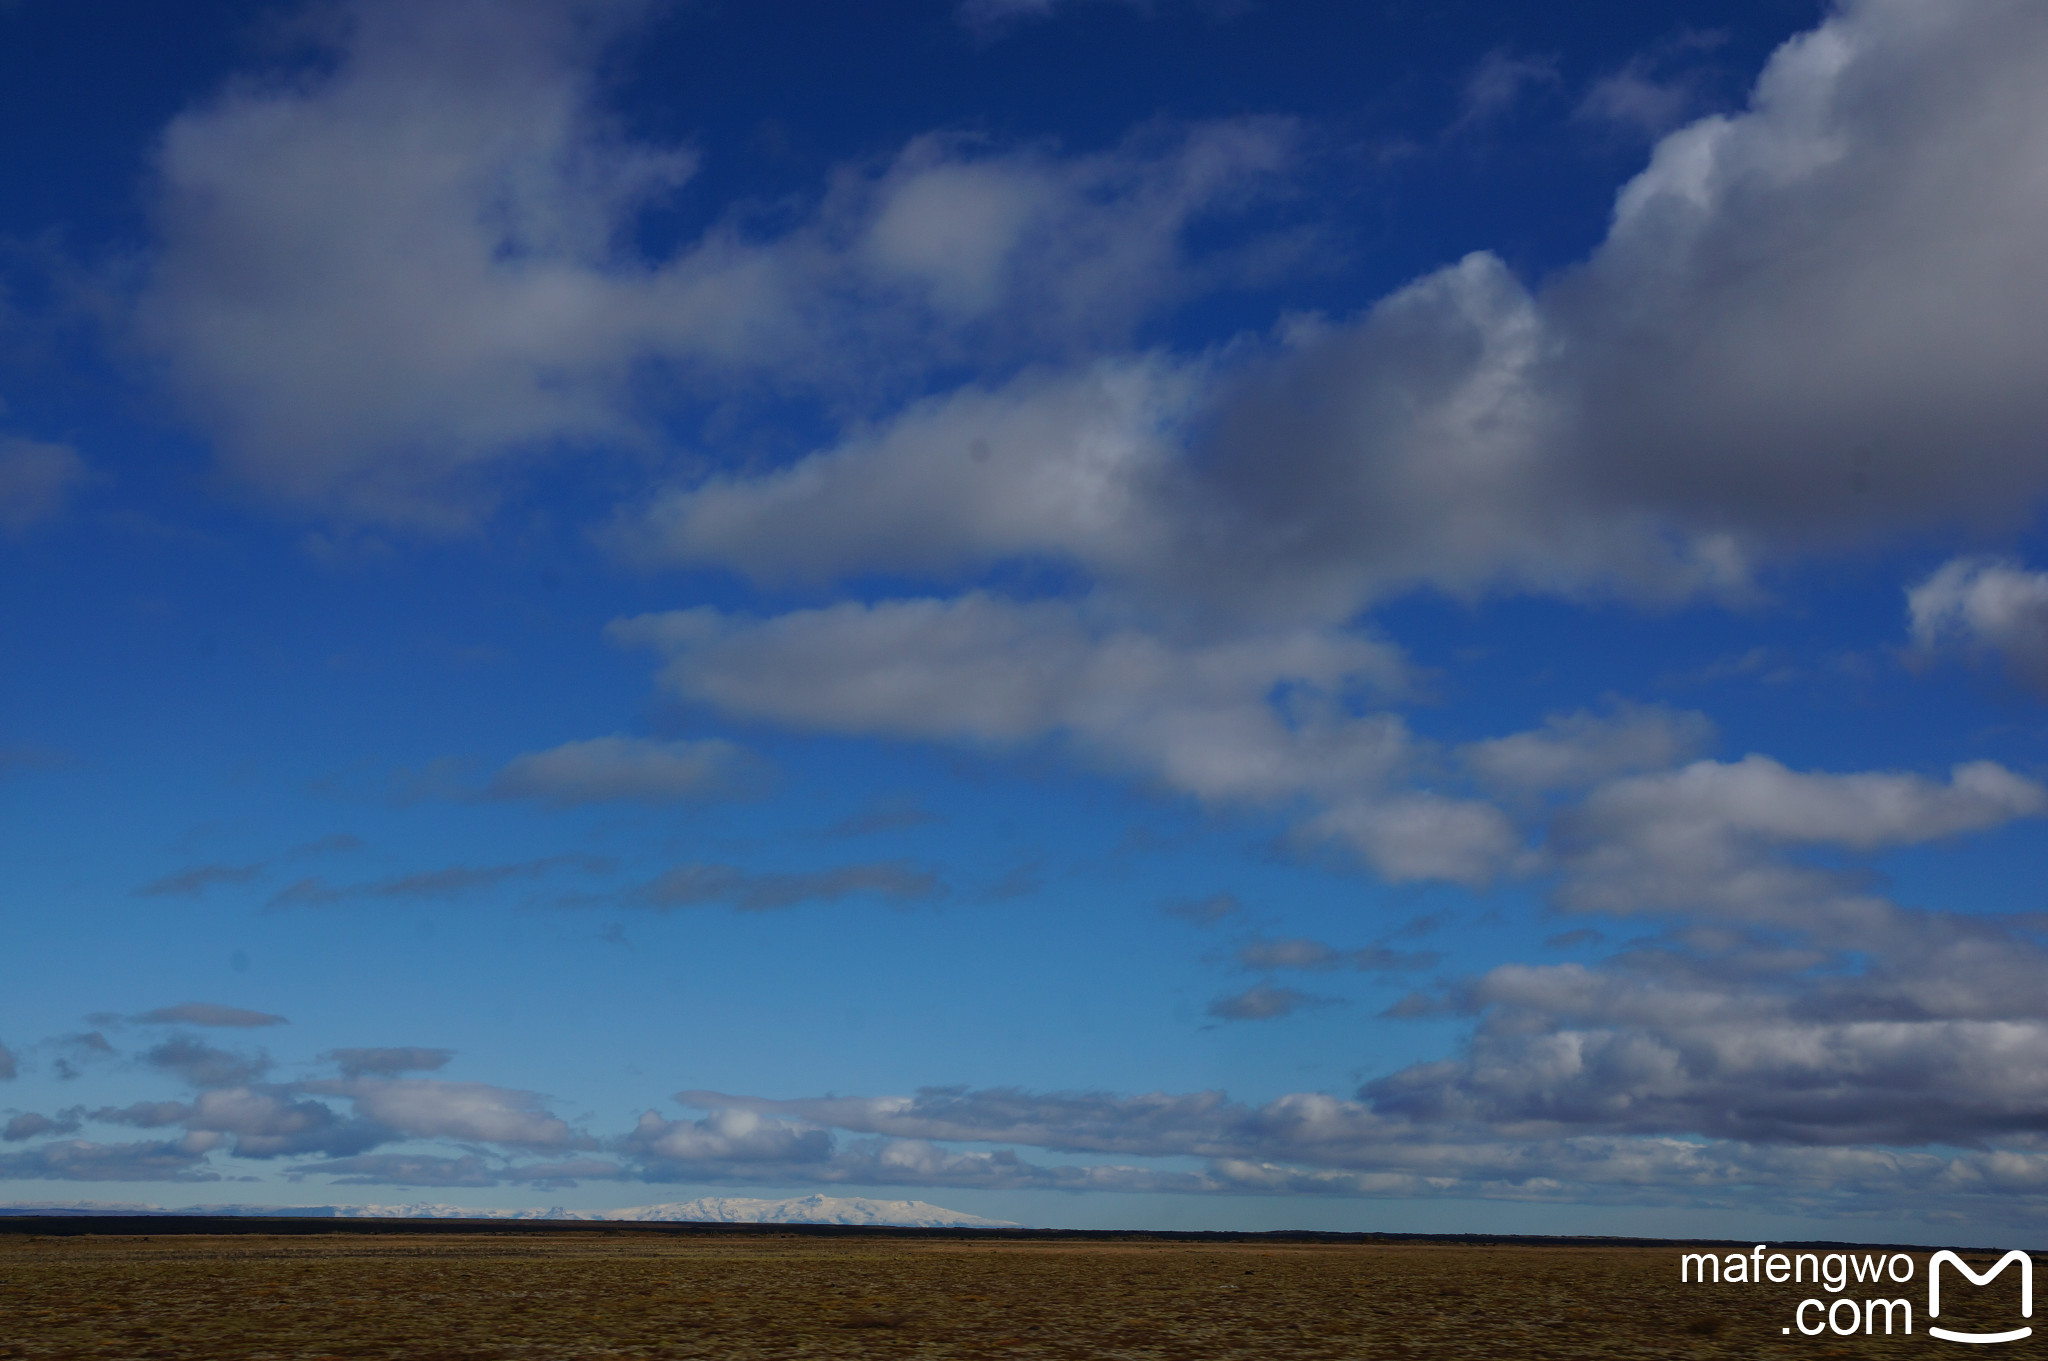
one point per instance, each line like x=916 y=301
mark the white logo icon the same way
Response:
x=1934 y=1294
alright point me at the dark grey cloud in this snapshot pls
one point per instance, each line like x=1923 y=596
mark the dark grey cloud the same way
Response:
x=1264 y=1002
x=356 y=1063
x=271 y=1122
x=404 y=1169
x=203 y=1065
x=1302 y=953
x=1919 y=1029
x=1318 y=1145
x=73 y=1052
x=629 y=769
x=191 y=882
x=748 y=891
x=144 y=1114
x=210 y=1014
x=32 y=1125
x=10 y=1067
x=82 y=1160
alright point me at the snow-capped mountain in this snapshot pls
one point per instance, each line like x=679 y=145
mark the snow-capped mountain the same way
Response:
x=807 y=1210
x=910 y=1214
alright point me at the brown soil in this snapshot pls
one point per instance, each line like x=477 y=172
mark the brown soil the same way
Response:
x=598 y=1296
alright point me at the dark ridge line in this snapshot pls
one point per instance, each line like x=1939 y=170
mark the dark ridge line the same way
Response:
x=148 y=1225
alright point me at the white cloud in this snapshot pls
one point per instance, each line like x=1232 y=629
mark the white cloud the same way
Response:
x=1815 y=312
x=981 y=669
x=1196 y=716
x=1982 y=604
x=1577 y=750
x=1063 y=465
x=269 y=1123
x=617 y=769
x=1712 y=836
x=728 y=1136
x=377 y=283
x=424 y=1109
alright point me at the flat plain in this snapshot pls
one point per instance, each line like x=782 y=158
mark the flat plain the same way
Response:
x=605 y=1294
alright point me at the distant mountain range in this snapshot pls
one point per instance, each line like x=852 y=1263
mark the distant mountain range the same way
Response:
x=910 y=1214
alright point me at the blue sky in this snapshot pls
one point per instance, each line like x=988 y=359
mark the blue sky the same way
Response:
x=1177 y=614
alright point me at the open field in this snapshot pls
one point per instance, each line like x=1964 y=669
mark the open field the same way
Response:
x=605 y=1293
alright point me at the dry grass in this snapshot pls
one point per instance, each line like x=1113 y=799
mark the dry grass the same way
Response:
x=601 y=1296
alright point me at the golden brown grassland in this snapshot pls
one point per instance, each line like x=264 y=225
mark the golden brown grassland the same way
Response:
x=601 y=1295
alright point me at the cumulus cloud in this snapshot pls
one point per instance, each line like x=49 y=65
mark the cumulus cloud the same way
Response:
x=36 y=480
x=1051 y=463
x=1712 y=835
x=1196 y=715
x=1813 y=309
x=208 y=1013
x=202 y=1065
x=692 y=885
x=727 y=1136
x=626 y=769
x=1985 y=605
x=1575 y=751
x=422 y=1109
x=1320 y=1145
x=271 y=1122
x=452 y=160
x=1944 y=1041
x=356 y=1063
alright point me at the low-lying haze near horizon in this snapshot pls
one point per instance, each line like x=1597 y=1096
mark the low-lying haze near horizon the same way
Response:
x=1103 y=614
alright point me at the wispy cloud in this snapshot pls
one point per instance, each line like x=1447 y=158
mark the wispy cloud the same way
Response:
x=449 y=882
x=192 y=882
x=749 y=891
x=208 y=1013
